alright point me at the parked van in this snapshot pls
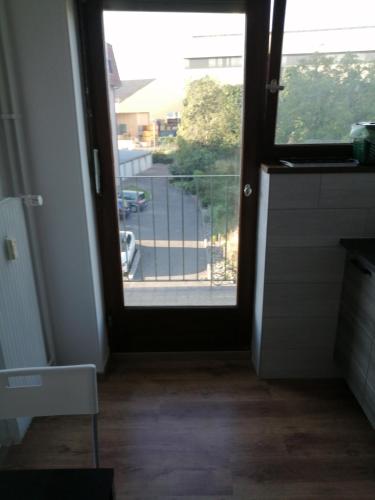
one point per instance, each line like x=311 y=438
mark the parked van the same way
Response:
x=135 y=199
x=128 y=249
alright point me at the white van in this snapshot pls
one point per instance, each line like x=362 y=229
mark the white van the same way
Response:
x=128 y=249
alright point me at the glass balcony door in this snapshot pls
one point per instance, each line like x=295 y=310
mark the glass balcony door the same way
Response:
x=178 y=143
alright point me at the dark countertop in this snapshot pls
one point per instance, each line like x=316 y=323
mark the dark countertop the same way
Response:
x=276 y=168
x=361 y=247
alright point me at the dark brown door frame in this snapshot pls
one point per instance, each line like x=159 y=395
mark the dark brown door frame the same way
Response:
x=172 y=329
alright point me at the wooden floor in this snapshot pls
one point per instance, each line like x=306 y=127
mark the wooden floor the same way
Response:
x=209 y=429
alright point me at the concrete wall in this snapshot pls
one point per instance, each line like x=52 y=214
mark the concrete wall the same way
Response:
x=4 y=180
x=136 y=166
x=46 y=60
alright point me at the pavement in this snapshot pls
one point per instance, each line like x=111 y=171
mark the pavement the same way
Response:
x=173 y=262
x=169 y=232
x=183 y=293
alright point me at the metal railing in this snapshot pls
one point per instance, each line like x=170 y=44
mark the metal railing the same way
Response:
x=185 y=226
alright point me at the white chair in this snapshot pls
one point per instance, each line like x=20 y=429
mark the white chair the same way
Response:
x=51 y=390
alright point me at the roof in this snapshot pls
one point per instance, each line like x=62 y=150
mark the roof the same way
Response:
x=125 y=155
x=113 y=75
x=160 y=97
x=130 y=87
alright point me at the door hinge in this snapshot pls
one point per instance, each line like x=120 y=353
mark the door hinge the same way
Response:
x=274 y=87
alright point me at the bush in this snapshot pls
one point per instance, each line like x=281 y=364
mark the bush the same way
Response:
x=162 y=158
x=192 y=157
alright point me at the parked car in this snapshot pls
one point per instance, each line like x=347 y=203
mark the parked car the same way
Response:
x=135 y=199
x=128 y=249
x=123 y=208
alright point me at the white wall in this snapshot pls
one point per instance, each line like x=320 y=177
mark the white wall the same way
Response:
x=45 y=56
x=4 y=181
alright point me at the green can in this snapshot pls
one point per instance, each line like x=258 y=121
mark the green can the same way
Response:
x=363 y=134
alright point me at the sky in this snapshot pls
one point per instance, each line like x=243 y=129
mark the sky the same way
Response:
x=152 y=44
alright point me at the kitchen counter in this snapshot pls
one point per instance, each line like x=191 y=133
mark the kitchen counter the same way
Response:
x=277 y=168
x=300 y=264
x=361 y=247
x=355 y=343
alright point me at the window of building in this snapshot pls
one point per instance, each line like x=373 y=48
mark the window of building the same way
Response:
x=214 y=62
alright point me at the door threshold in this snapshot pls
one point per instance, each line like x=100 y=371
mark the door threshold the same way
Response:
x=184 y=356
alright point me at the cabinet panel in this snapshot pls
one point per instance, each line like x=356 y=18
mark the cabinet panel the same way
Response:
x=356 y=333
x=358 y=297
x=369 y=404
x=310 y=265
x=371 y=371
x=299 y=333
x=370 y=224
x=354 y=340
x=306 y=300
x=312 y=228
x=285 y=363
x=347 y=191
x=294 y=191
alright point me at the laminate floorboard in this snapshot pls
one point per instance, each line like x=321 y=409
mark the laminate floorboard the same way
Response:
x=209 y=429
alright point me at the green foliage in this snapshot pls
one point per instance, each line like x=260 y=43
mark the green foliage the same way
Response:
x=211 y=114
x=192 y=156
x=159 y=157
x=166 y=142
x=208 y=143
x=323 y=97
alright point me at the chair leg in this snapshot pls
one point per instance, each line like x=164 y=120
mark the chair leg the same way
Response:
x=95 y=442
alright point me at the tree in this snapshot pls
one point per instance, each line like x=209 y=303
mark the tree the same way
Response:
x=211 y=115
x=323 y=97
x=208 y=143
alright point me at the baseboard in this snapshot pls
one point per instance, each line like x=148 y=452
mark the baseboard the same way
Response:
x=183 y=356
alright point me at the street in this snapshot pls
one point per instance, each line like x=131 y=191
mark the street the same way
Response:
x=169 y=231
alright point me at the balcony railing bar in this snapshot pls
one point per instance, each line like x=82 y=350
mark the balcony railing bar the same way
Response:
x=154 y=231
x=192 y=176
x=183 y=233
x=212 y=229
x=168 y=230
x=139 y=230
x=217 y=269
x=197 y=224
x=226 y=231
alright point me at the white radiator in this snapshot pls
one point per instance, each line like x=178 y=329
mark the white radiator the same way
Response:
x=21 y=334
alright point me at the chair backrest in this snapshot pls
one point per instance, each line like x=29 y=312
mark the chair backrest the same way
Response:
x=51 y=390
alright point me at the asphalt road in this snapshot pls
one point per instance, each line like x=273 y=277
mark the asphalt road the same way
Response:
x=170 y=231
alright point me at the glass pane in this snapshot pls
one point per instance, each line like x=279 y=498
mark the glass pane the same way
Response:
x=175 y=85
x=328 y=70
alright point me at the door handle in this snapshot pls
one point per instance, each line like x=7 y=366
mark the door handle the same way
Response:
x=274 y=87
x=247 y=190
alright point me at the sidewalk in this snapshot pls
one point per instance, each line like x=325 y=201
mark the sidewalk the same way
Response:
x=179 y=294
